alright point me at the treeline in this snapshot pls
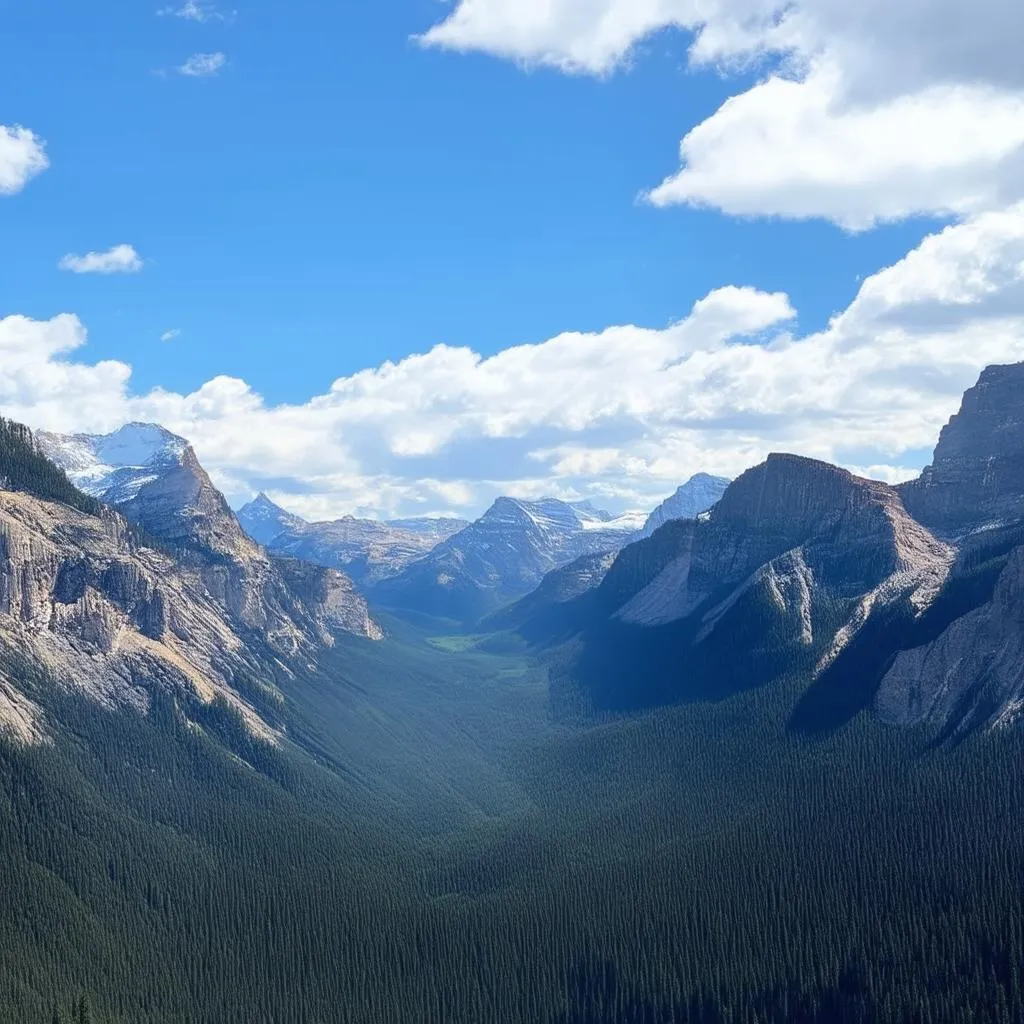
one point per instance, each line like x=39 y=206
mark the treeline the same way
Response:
x=23 y=467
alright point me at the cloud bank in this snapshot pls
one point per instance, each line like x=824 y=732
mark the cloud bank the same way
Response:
x=623 y=415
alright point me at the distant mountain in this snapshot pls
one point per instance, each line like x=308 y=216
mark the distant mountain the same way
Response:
x=265 y=521
x=504 y=555
x=368 y=550
x=697 y=495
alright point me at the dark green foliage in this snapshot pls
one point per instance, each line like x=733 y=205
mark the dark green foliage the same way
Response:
x=24 y=468
x=450 y=854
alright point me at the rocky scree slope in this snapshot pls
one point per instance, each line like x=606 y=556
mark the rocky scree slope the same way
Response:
x=99 y=605
x=367 y=550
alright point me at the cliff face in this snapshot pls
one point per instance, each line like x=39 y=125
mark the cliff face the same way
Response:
x=81 y=598
x=973 y=673
x=102 y=608
x=977 y=476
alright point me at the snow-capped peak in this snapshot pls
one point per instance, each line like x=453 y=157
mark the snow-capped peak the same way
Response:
x=115 y=467
x=699 y=494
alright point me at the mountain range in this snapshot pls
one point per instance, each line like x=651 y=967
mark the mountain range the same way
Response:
x=459 y=570
x=903 y=599
x=368 y=550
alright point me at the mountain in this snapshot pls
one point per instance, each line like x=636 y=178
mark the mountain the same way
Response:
x=264 y=521
x=906 y=600
x=367 y=550
x=783 y=573
x=96 y=606
x=696 y=496
x=964 y=666
x=503 y=556
x=155 y=480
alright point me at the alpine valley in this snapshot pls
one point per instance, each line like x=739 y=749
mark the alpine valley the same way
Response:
x=753 y=757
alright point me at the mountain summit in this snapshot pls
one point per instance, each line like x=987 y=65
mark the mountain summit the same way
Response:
x=700 y=493
x=504 y=555
x=264 y=520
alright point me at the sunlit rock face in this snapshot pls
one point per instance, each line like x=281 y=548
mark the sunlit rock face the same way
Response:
x=163 y=591
x=976 y=479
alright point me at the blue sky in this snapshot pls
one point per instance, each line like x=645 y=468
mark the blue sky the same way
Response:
x=337 y=195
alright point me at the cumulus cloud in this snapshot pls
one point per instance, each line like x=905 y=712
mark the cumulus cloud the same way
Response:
x=170 y=335
x=623 y=415
x=203 y=65
x=121 y=259
x=798 y=149
x=22 y=157
x=870 y=112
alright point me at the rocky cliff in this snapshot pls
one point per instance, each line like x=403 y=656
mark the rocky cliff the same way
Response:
x=976 y=479
x=97 y=606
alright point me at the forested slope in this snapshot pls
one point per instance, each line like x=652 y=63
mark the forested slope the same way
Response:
x=693 y=864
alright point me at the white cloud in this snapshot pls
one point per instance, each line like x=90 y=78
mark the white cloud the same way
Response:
x=591 y=36
x=203 y=65
x=623 y=415
x=121 y=259
x=797 y=149
x=22 y=157
x=875 y=111
x=192 y=10
x=170 y=335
